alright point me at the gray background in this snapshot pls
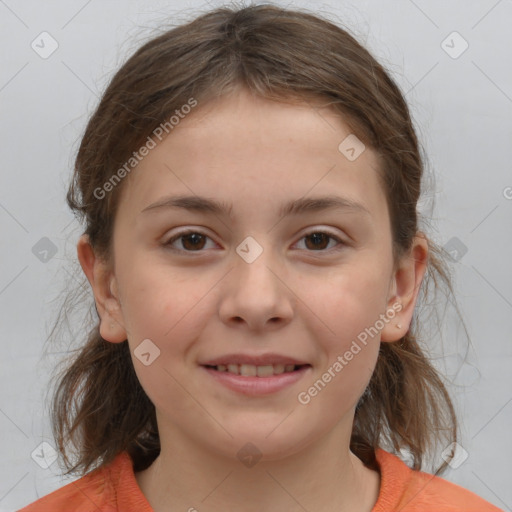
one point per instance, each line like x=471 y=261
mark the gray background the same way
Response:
x=462 y=107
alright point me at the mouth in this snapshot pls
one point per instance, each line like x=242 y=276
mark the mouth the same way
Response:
x=250 y=370
x=256 y=380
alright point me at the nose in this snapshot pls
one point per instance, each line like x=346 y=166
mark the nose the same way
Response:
x=257 y=295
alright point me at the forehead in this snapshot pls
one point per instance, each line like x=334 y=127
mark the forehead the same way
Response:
x=247 y=150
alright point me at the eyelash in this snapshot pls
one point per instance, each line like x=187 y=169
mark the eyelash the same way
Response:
x=195 y=232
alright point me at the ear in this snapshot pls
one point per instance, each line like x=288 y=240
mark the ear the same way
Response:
x=405 y=287
x=104 y=287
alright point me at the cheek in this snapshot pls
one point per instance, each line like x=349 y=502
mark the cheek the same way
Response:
x=155 y=298
x=348 y=339
x=172 y=321
x=352 y=302
x=173 y=313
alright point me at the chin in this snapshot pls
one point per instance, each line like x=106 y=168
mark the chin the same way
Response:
x=268 y=444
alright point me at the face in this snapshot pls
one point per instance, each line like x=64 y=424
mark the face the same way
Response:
x=298 y=287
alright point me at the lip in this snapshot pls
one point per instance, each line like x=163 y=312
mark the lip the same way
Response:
x=254 y=386
x=256 y=360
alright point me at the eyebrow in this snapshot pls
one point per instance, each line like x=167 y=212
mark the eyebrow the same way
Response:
x=294 y=207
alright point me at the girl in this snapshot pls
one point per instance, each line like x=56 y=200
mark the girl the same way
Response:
x=249 y=184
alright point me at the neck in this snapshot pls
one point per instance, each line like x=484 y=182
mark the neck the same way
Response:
x=322 y=477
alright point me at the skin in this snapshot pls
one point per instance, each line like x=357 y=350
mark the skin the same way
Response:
x=294 y=299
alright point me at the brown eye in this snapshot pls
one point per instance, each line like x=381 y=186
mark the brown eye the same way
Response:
x=191 y=241
x=319 y=241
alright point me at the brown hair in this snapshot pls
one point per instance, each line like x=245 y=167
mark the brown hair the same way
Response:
x=281 y=55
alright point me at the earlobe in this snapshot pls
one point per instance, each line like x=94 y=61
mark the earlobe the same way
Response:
x=104 y=288
x=405 y=289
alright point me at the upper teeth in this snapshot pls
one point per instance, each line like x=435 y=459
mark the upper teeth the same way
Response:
x=250 y=370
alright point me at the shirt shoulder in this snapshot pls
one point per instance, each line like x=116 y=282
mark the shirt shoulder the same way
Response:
x=111 y=488
x=407 y=490
x=87 y=494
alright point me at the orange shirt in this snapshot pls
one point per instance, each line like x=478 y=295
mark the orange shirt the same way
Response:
x=114 y=488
